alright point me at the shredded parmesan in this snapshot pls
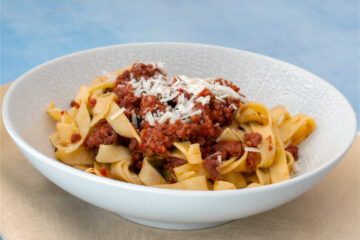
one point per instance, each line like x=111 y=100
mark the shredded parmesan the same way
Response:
x=233 y=106
x=219 y=158
x=251 y=149
x=118 y=113
x=220 y=99
x=203 y=100
x=166 y=89
x=149 y=117
x=295 y=167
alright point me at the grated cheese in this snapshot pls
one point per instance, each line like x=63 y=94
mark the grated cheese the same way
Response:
x=118 y=113
x=295 y=167
x=233 y=106
x=251 y=149
x=165 y=89
x=149 y=117
x=219 y=159
x=203 y=100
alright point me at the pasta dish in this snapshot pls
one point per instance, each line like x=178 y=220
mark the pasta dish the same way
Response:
x=139 y=125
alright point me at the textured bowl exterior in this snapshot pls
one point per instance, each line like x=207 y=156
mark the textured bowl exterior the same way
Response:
x=261 y=78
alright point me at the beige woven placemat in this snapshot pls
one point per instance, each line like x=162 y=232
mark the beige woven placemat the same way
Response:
x=32 y=207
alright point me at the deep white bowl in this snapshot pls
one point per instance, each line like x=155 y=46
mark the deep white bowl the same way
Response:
x=261 y=78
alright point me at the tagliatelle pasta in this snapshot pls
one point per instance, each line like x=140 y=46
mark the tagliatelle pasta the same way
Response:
x=120 y=123
x=140 y=126
x=191 y=152
x=112 y=153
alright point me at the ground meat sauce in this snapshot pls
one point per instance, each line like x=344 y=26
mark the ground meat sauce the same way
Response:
x=212 y=165
x=144 y=70
x=150 y=103
x=253 y=139
x=75 y=137
x=103 y=134
x=158 y=138
x=293 y=149
x=229 y=149
x=173 y=162
x=251 y=160
x=91 y=102
x=221 y=150
x=136 y=154
x=74 y=104
x=202 y=129
x=126 y=99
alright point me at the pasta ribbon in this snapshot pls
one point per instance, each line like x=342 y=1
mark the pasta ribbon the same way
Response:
x=177 y=153
x=69 y=116
x=235 y=178
x=290 y=161
x=278 y=115
x=93 y=171
x=120 y=171
x=54 y=112
x=279 y=171
x=263 y=176
x=252 y=185
x=81 y=167
x=267 y=145
x=98 y=79
x=106 y=81
x=79 y=156
x=253 y=112
x=252 y=178
x=61 y=115
x=296 y=129
x=234 y=165
x=83 y=122
x=223 y=185
x=120 y=123
x=191 y=152
x=231 y=134
x=194 y=183
x=102 y=107
x=102 y=85
x=121 y=71
x=62 y=136
x=112 y=153
x=190 y=170
x=149 y=175
x=83 y=95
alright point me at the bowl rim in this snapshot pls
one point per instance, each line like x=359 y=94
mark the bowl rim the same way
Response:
x=39 y=156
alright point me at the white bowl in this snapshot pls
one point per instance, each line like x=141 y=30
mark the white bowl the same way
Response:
x=261 y=78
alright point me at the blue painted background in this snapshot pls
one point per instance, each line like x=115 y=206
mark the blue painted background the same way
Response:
x=320 y=36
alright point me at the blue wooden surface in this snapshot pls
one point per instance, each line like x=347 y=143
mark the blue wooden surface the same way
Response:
x=320 y=36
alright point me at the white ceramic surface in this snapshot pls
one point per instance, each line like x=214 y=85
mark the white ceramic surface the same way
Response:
x=261 y=79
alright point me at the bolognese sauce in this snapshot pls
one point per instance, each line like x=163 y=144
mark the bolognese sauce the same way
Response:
x=157 y=137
